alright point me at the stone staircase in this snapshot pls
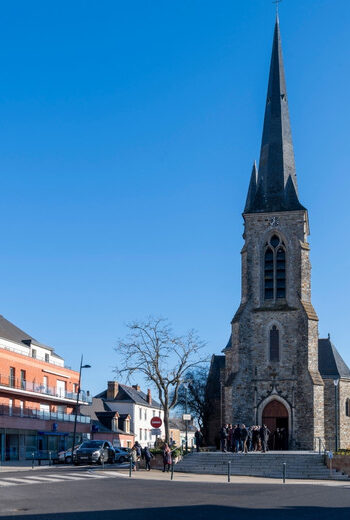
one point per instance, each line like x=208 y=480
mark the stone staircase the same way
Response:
x=299 y=465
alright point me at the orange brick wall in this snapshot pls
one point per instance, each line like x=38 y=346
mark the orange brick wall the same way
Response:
x=35 y=370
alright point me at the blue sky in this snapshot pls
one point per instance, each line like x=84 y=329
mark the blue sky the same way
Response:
x=127 y=136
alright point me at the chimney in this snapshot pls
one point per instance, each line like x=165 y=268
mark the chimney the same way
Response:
x=149 y=397
x=136 y=387
x=112 y=389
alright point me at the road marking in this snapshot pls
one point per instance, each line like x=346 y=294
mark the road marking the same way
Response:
x=113 y=474
x=67 y=477
x=15 y=480
x=38 y=480
x=4 y=484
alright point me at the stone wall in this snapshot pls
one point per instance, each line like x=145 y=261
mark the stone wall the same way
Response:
x=344 y=420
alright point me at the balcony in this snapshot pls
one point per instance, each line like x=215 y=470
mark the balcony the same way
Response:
x=36 y=358
x=21 y=386
x=33 y=413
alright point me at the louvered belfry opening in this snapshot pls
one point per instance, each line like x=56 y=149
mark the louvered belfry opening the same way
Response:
x=274 y=269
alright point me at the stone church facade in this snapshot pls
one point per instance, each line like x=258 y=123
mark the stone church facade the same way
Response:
x=277 y=370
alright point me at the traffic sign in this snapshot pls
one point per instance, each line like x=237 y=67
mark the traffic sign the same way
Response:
x=156 y=422
x=186 y=417
x=156 y=431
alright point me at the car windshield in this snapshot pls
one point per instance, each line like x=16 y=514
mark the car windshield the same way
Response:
x=92 y=444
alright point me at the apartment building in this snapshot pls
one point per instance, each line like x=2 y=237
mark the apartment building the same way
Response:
x=140 y=407
x=37 y=397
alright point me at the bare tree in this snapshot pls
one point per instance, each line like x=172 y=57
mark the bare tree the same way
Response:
x=153 y=350
x=193 y=398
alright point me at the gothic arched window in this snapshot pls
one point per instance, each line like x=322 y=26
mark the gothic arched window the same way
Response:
x=274 y=269
x=347 y=408
x=274 y=344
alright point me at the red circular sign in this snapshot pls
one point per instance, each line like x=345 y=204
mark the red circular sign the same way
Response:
x=156 y=422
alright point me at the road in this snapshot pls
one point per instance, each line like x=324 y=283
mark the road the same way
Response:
x=82 y=494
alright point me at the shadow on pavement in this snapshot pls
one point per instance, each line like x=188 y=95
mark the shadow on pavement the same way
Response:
x=198 y=512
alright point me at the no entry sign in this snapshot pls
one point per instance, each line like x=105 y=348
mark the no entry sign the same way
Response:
x=156 y=422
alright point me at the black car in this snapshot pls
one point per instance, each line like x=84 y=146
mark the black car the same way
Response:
x=95 y=452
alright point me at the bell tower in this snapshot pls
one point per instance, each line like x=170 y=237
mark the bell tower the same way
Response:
x=272 y=358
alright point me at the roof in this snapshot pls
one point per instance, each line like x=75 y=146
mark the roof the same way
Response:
x=274 y=186
x=101 y=415
x=330 y=362
x=129 y=394
x=10 y=332
x=178 y=423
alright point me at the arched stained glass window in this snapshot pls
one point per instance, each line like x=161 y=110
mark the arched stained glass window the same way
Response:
x=274 y=344
x=274 y=269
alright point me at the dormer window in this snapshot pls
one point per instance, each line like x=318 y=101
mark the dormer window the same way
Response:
x=274 y=269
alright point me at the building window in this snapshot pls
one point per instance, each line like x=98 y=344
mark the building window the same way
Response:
x=23 y=379
x=140 y=434
x=140 y=414
x=127 y=426
x=12 y=376
x=10 y=407
x=274 y=269
x=347 y=408
x=47 y=358
x=21 y=405
x=154 y=413
x=146 y=414
x=33 y=353
x=274 y=344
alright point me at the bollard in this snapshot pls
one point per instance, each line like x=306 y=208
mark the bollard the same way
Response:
x=172 y=471
x=130 y=466
x=32 y=459
x=49 y=458
x=229 y=471
x=284 y=472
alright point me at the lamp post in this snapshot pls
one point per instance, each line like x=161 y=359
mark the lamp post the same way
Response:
x=186 y=422
x=77 y=403
x=336 y=383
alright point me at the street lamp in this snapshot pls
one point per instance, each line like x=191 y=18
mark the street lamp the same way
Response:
x=77 y=403
x=336 y=383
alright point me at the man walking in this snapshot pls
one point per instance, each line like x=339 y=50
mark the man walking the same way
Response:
x=237 y=438
x=148 y=457
x=264 y=435
x=199 y=439
x=223 y=438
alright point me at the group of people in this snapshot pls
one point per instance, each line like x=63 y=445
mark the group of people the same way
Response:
x=138 y=453
x=241 y=438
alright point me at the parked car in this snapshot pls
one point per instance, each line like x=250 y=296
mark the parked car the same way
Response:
x=65 y=456
x=95 y=452
x=121 y=455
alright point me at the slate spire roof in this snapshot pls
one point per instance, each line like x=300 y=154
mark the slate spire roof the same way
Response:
x=274 y=186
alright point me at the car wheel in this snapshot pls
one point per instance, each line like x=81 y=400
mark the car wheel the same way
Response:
x=122 y=459
x=68 y=460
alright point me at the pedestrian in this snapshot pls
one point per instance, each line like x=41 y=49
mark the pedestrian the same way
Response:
x=255 y=438
x=167 y=460
x=264 y=436
x=230 y=438
x=237 y=438
x=250 y=438
x=134 y=458
x=244 y=438
x=223 y=438
x=148 y=457
x=199 y=439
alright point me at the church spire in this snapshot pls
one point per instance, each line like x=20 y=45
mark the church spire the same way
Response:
x=277 y=183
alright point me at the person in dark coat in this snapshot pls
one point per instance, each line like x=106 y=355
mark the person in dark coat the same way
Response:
x=223 y=438
x=199 y=439
x=148 y=457
x=255 y=438
x=237 y=438
x=244 y=438
x=167 y=460
x=230 y=438
x=264 y=435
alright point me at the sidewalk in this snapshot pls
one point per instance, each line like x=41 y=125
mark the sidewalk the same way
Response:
x=23 y=465
x=156 y=474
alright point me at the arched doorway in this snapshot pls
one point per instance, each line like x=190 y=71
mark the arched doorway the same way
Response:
x=275 y=416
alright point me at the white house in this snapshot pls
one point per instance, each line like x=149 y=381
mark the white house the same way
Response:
x=140 y=406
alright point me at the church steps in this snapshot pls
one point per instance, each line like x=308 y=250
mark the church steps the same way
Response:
x=298 y=465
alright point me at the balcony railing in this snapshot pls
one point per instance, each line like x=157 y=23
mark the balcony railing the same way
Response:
x=28 y=386
x=37 y=357
x=33 y=413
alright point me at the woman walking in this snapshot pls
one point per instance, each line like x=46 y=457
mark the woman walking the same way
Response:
x=167 y=460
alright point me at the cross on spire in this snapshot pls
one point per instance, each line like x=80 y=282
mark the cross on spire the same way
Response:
x=277 y=2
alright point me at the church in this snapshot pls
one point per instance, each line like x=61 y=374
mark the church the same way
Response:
x=275 y=369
